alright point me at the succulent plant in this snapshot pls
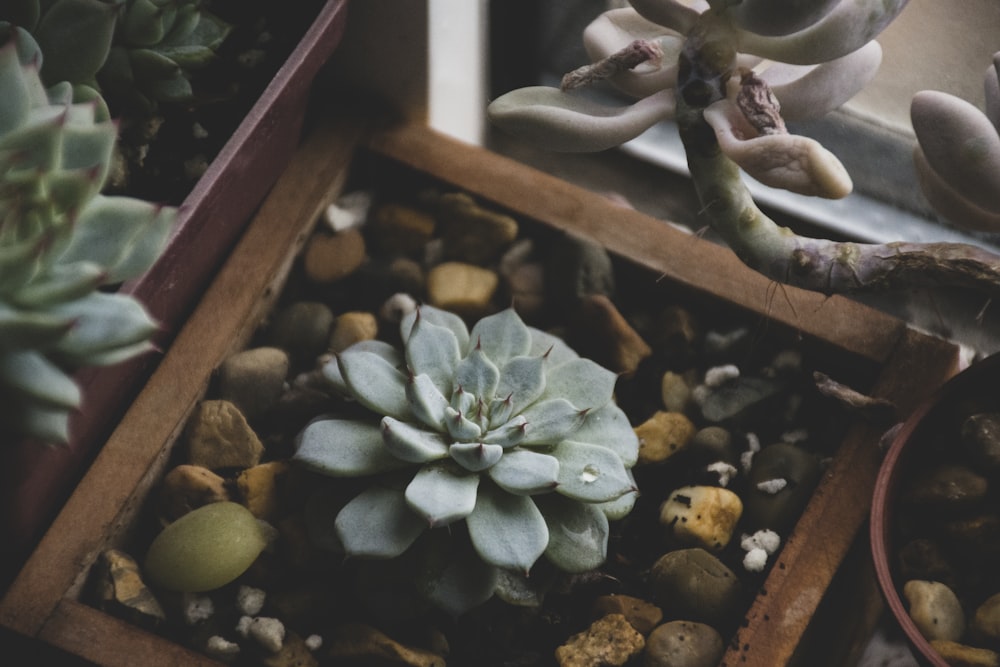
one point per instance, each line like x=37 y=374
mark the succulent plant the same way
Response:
x=141 y=52
x=504 y=429
x=60 y=240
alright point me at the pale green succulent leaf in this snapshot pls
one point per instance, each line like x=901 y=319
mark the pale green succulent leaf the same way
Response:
x=88 y=145
x=23 y=13
x=48 y=424
x=439 y=317
x=210 y=31
x=344 y=448
x=149 y=65
x=522 y=379
x=75 y=36
x=378 y=523
x=432 y=350
x=375 y=382
x=477 y=375
x=590 y=473
x=173 y=88
x=509 y=434
x=62 y=282
x=147 y=244
x=411 y=443
x=520 y=590
x=620 y=507
x=15 y=102
x=331 y=370
x=36 y=145
x=524 y=472
x=609 y=427
x=553 y=348
x=584 y=383
x=427 y=403
x=183 y=25
x=61 y=94
x=144 y=24
x=453 y=577
x=116 y=355
x=507 y=530
x=564 y=121
x=102 y=323
x=70 y=190
x=551 y=421
x=189 y=57
x=578 y=533
x=442 y=493
x=502 y=336
x=20 y=328
x=460 y=427
x=475 y=456
x=32 y=374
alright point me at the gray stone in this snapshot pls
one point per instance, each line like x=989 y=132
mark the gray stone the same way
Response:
x=766 y=507
x=253 y=379
x=301 y=329
x=683 y=644
x=692 y=584
x=578 y=268
x=733 y=400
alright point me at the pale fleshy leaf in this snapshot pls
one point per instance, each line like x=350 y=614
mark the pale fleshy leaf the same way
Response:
x=477 y=375
x=331 y=369
x=439 y=317
x=432 y=350
x=589 y=473
x=551 y=421
x=564 y=121
x=452 y=575
x=948 y=202
x=524 y=472
x=509 y=434
x=32 y=374
x=621 y=506
x=442 y=493
x=507 y=530
x=502 y=336
x=991 y=85
x=578 y=533
x=475 y=456
x=102 y=323
x=411 y=443
x=62 y=282
x=609 y=427
x=378 y=523
x=523 y=380
x=375 y=382
x=343 y=448
x=779 y=17
x=19 y=328
x=426 y=401
x=584 y=383
x=460 y=427
x=553 y=348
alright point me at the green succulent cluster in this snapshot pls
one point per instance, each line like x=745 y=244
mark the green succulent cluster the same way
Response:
x=141 y=52
x=61 y=240
x=504 y=429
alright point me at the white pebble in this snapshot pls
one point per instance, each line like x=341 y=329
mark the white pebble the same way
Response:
x=314 y=642
x=724 y=470
x=755 y=560
x=772 y=486
x=787 y=360
x=746 y=460
x=350 y=210
x=753 y=442
x=268 y=632
x=250 y=600
x=720 y=375
x=396 y=307
x=197 y=608
x=700 y=393
x=243 y=626
x=765 y=539
x=795 y=437
x=221 y=648
x=198 y=131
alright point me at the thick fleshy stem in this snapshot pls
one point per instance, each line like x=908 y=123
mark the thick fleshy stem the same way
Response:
x=706 y=64
x=638 y=52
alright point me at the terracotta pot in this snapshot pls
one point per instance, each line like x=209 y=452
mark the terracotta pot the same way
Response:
x=855 y=343
x=972 y=390
x=35 y=480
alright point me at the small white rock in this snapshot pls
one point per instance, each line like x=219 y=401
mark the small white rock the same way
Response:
x=268 y=632
x=787 y=360
x=772 y=486
x=349 y=211
x=250 y=600
x=700 y=393
x=197 y=608
x=795 y=437
x=753 y=442
x=765 y=539
x=720 y=375
x=746 y=460
x=221 y=648
x=755 y=560
x=198 y=131
x=724 y=470
x=314 y=642
x=396 y=307
x=243 y=626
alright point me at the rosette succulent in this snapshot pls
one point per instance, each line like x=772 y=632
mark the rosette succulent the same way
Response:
x=502 y=428
x=60 y=240
x=730 y=73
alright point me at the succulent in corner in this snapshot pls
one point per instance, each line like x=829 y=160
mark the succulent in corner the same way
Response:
x=61 y=240
x=502 y=433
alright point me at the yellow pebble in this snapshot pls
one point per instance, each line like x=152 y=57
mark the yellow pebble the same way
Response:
x=663 y=435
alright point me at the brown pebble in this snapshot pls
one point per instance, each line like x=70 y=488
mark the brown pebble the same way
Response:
x=358 y=644
x=610 y=641
x=259 y=487
x=330 y=257
x=401 y=230
x=663 y=435
x=187 y=487
x=351 y=328
x=608 y=338
x=218 y=436
x=461 y=288
x=642 y=615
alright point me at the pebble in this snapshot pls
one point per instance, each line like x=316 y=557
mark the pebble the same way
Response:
x=960 y=655
x=121 y=590
x=692 y=584
x=677 y=333
x=946 y=489
x=981 y=438
x=400 y=230
x=396 y=307
x=250 y=600
x=302 y=330
x=294 y=652
x=221 y=648
x=328 y=258
x=268 y=632
x=187 y=487
x=985 y=622
x=350 y=328
x=683 y=644
x=469 y=232
x=663 y=435
x=714 y=443
x=218 y=436
x=737 y=398
x=197 y=608
x=463 y=288
x=357 y=644
x=641 y=615
x=349 y=211
x=607 y=337
x=259 y=488
x=254 y=379
x=769 y=506
x=675 y=392
x=702 y=515
x=578 y=268
x=923 y=558
x=935 y=610
x=610 y=641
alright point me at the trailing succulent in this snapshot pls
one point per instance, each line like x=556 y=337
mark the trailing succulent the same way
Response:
x=61 y=240
x=503 y=434
x=140 y=52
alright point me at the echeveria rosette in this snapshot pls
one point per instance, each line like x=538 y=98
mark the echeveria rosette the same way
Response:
x=958 y=154
x=503 y=428
x=820 y=54
x=61 y=240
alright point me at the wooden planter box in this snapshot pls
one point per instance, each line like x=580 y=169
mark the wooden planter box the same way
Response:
x=901 y=364
x=35 y=480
